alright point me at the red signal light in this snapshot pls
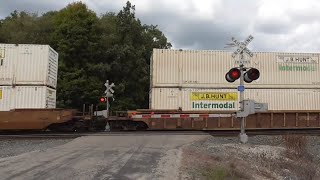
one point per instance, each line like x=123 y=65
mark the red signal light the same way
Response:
x=233 y=75
x=102 y=99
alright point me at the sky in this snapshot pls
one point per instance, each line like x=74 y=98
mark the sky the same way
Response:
x=276 y=25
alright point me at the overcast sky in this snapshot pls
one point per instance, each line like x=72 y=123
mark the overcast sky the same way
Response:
x=276 y=25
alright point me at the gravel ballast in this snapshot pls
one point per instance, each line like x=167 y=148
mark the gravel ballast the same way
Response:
x=13 y=147
x=263 y=157
x=313 y=142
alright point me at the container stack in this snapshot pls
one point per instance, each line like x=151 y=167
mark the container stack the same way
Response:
x=28 y=76
x=194 y=80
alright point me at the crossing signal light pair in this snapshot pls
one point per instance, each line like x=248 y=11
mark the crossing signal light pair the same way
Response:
x=103 y=99
x=249 y=76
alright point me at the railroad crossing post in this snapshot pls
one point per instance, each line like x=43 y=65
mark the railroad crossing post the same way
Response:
x=108 y=94
x=247 y=75
x=243 y=135
x=108 y=104
x=241 y=48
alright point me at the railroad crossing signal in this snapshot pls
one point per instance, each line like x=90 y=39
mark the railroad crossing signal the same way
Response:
x=235 y=73
x=242 y=46
x=109 y=91
x=108 y=94
x=245 y=75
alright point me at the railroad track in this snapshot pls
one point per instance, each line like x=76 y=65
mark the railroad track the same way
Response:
x=112 y=133
x=311 y=132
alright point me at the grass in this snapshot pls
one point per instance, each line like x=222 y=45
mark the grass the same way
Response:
x=217 y=173
x=230 y=168
x=208 y=166
x=222 y=173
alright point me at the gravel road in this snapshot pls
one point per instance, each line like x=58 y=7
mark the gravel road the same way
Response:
x=103 y=157
x=138 y=157
x=13 y=147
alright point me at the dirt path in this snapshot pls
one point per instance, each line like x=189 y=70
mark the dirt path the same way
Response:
x=102 y=157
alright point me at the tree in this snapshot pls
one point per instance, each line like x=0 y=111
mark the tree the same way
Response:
x=115 y=46
x=19 y=28
x=77 y=37
x=131 y=65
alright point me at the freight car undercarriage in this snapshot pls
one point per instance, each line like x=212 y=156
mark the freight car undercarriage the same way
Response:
x=216 y=121
x=60 y=120
x=70 y=120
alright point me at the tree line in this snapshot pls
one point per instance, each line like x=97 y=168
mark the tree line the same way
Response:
x=114 y=46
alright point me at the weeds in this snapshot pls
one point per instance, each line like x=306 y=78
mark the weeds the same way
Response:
x=291 y=162
x=295 y=145
x=301 y=163
x=222 y=173
x=296 y=161
x=230 y=169
x=218 y=173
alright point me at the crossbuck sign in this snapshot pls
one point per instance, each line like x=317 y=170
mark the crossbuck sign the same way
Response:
x=242 y=46
x=109 y=91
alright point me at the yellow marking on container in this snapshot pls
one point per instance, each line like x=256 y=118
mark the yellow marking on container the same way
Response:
x=214 y=96
x=0 y=94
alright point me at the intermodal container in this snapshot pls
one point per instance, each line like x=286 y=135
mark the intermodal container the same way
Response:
x=27 y=97
x=26 y=64
x=207 y=69
x=191 y=99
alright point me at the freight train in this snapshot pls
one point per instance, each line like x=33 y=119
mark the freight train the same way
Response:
x=188 y=91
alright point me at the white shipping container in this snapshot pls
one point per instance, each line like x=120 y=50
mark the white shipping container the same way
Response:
x=188 y=99
x=25 y=64
x=6 y=98
x=27 y=97
x=207 y=69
